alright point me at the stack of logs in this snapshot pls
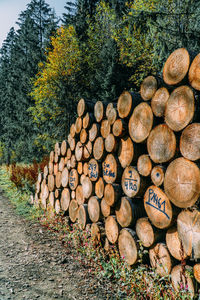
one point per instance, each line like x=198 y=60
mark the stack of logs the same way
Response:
x=129 y=168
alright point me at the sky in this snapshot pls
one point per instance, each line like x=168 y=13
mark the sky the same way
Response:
x=10 y=10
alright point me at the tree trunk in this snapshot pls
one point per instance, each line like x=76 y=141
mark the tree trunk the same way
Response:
x=158 y=207
x=144 y=165
x=188 y=226
x=57 y=193
x=159 y=101
x=182 y=182
x=112 y=193
x=160 y=259
x=190 y=142
x=148 y=88
x=94 y=210
x=176 y=66
x=112 y=229
x=180 y=107
x=61 y=164
x=128 y=246
x=140 y=123
x=57 y=148
x=174 y=244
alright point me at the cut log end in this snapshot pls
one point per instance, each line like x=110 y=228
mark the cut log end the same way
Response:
x=128 y=247
x=148 y=88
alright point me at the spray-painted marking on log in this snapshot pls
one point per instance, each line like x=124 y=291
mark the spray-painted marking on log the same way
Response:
x=155 y=202
x=93 y=172
x=129 y=182
x=107 y=171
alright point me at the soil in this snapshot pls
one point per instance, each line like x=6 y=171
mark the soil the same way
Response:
x=35 y=265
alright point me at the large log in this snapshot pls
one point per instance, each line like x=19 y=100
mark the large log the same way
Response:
x=99 y=188
x=125 y=151
x=98 y=149
x=190 y=142
x=112 y=229
x=99 y=111
x=158 y=207
x=128 y=246
x=79 y=195
x=87 y=150
x=182 y=182
x=73 y=210
x=160 y=259
x=110 y=143
x=181 y=280
x=126 y=102
x=94 y=132
x=51 y=183
x=105 y=128
x=129 y=211
x=65 y=199
x=196 y=270
x=144 y=165
x=157 y=175
x=188 y=226
x=140 y=123
x=112 y=193
x=176 y=66
x=93 y=169
x=148 y=88
x=158 y=102
x=79 y=151
x=174 y=244
x=111 y=169
x=180 y=107
x=194 y=73
x=88 y=187
x=83 y=217
x=63 y=148
x=73 y=179
x=161 y=144
x=147 y=234
x=94 y=210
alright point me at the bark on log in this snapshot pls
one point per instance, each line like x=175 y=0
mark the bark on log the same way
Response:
x=94 y=210
x=111 y=169
x=99 y=188
x=181 y=279
x=73 y=179
x=196 y=270
x=93 y=169
x=144 y=165
x=129 y=211
x=160 y=259
x=146 y=233
x=148 y=88
x=182 y=182
x=190 y=142
x=112 y=229
x=128 y=246
x=65 y=199
x=63 y=148
x=83 y=136
x=125 y=152
x=79 y=151
x=119 y=128
x=157 y=175
x=180 y=107
x=87 y=150
x=174 y=244
x=51 y=183
x=58 y=179
x=94 y=132
x=176 y=66
x=110 y=143
x=140 y=123
x=79 y=195
x=105 y=128
x=159 y=101
x=194 y=73
x=88 y=187
x=158 y=207
x=188 y=226
x=98 y=149
x=83 y=217
x=161 y=144
x=73 y=210
x=112 y=193
x=78 y=125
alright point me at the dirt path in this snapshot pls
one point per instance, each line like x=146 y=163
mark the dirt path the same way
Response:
x=35 y=265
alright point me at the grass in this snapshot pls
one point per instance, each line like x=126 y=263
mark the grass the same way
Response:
x=137 y=282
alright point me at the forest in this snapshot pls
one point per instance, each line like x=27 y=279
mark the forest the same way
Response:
x=95 y=51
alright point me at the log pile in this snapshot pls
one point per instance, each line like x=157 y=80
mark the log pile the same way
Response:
x=131 y=169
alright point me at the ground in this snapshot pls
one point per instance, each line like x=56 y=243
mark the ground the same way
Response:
x=35 y=265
